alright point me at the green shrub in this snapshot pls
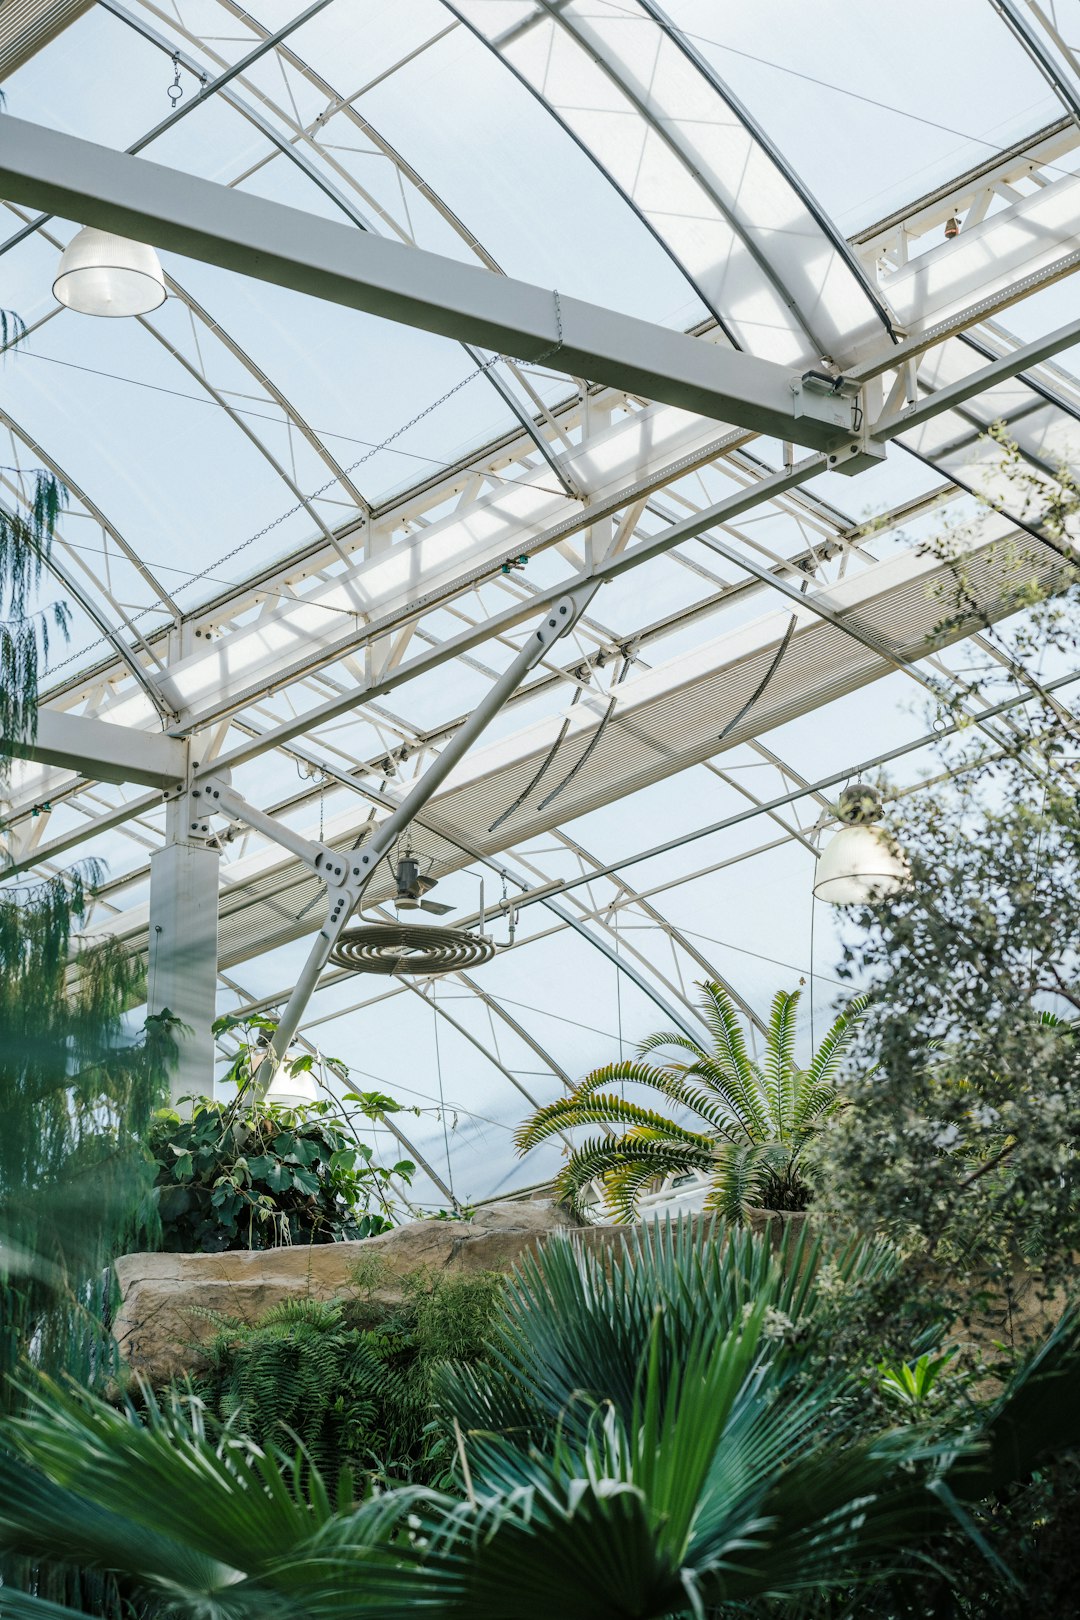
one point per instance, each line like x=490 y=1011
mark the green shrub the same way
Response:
x=256 y=1176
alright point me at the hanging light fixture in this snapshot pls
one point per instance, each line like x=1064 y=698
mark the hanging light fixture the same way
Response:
x=292 y=1090
x=286 y=1089
x=860 y=864
x=103 y=274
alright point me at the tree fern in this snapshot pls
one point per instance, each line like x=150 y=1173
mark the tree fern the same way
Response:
x=751 y=1121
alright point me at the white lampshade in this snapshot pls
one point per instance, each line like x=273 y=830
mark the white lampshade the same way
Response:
x=859 y=866
x=103 y=274
x=292 y=1090
x=288 y=1090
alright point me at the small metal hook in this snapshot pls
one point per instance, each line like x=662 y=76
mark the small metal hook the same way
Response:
x=176 y=89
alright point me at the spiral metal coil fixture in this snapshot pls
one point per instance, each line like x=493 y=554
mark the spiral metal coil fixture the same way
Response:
x=413 y=948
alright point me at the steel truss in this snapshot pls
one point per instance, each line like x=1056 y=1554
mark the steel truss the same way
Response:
x=291 y=706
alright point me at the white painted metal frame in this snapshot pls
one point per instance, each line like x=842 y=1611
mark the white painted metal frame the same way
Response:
x=328 y=682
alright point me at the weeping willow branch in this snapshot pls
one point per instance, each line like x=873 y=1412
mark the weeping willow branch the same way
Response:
x=12 y=329
x=25 y=544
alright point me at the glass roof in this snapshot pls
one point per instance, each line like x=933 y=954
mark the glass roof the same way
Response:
x=263 y=486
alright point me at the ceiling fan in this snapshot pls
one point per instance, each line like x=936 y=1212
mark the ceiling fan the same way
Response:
x=413 y=885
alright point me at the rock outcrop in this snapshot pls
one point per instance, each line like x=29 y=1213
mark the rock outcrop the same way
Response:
x=170 y=1302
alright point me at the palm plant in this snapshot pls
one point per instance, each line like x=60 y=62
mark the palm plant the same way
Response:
x=758 y=1117
x=688 y=1472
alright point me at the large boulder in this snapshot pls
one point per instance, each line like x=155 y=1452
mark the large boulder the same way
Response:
x=171 y=1304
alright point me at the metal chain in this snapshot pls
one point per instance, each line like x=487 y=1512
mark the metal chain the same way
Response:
x=373 y=450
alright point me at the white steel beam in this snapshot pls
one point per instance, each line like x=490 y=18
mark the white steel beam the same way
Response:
x=103 y=752
x=286 y=246
x=977 y=382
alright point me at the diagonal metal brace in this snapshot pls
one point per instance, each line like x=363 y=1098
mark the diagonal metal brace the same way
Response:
x=348 y=873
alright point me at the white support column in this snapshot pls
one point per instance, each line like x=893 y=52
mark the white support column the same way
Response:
x=183 y=955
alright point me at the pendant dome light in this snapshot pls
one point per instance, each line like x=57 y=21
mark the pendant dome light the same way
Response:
x=860 y=864
x=292 y=1090
x=286 y=1089
x=103 y=274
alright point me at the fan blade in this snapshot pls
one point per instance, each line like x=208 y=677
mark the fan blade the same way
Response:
x=436 y=906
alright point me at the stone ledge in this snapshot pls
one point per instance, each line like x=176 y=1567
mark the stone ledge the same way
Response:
x=160 y=1327
x=162 y=1331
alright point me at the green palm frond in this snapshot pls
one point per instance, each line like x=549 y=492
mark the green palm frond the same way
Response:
x=739 y=1091
x=723 y=1115
x=251 y=1508
x=744 y=1096
x=723 y=1022
x=739 y=1103
x=682 y=1498
x=826 y=1060
x=778 y=1064
x=814 y=1102
x=604 y=1157
x=622 y=1188
x=638 y=1449
x=739 y=1179
x=573 y=1321
x=665 y=1078
x=606 y=1109
x=666 y=1037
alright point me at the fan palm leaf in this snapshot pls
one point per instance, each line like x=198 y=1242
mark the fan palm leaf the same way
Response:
x=742 y=1111
x=574 y=1324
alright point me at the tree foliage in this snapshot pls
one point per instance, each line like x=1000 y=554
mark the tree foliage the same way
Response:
x=964 y=1138
x=26 y=538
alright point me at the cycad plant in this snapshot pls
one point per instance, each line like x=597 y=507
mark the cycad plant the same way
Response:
x=758 y=1116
